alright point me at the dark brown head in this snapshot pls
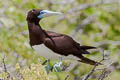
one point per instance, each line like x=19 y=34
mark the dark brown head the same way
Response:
x=32 y=15
x=35 y=15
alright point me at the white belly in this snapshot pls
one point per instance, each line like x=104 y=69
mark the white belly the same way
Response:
x=49 y=54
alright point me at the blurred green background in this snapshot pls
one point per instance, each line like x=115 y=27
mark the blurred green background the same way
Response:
x=90 y=22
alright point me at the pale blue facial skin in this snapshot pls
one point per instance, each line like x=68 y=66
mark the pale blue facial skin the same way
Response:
x=41 y=13
x=46 y=13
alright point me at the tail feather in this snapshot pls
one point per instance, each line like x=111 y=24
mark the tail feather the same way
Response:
x=84 y=52
x=83 y=49
x=88 y=61
x=87 y=47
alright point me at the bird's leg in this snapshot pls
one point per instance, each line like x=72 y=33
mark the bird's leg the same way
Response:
x=47 y=67
x=57 y=66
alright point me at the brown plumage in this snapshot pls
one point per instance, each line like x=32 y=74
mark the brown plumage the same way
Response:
x=59 y=43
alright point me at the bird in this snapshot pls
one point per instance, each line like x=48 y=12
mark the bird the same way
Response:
x=58 y=45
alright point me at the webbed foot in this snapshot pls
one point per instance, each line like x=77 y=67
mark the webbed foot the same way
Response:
x=48 y=67
x=57 y=67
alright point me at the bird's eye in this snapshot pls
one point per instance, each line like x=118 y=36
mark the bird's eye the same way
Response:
x=41 y=12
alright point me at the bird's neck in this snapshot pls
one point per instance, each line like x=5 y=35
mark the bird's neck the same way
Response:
x=36 y=33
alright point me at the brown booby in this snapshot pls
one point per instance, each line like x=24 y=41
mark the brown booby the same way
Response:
x=56 y=45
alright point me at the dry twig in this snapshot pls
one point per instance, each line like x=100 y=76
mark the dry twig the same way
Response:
x=5 y=69
x=4 y=65
x=94 y=69
x=104 y=74
x=66 y=77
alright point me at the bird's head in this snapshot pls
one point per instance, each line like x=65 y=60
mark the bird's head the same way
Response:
x=38 y=14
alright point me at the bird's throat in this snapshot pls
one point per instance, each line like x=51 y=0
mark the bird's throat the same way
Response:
x=36 y=34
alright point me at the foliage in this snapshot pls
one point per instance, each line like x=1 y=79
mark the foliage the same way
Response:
x=34 y=72
x=101 y=30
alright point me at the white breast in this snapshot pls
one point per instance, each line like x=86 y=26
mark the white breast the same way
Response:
x=49 y=54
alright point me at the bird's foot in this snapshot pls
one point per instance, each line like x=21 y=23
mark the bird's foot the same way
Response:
x=57 y=67
x=48 y=67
